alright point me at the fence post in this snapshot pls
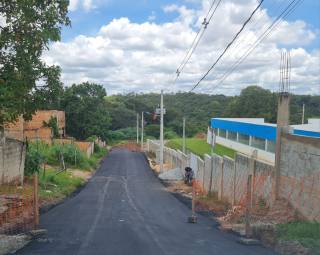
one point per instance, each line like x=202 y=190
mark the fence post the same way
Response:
x=221 y=180
x=248 y=207
x=252 y=171
x=36 y=199
x=234 y=182
x=211 y=175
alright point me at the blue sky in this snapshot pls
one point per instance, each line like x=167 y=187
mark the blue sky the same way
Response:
x=139 y=11
x=136 y=46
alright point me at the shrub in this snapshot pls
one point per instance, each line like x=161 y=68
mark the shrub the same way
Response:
x=34 y=159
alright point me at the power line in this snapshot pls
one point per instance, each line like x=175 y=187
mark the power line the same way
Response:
x=246 y=35
x=198 y=37
x=287 y=11
x=228 y=46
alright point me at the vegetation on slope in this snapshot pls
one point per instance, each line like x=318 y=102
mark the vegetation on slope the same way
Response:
x=306 y=233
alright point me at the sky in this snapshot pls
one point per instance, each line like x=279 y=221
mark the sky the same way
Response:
x=137 y=46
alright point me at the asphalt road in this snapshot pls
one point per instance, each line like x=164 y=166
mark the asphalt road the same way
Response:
x=125 y=210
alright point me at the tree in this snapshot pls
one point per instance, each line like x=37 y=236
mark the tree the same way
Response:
x=28 y=28
x=254 y=102
x=86 y=111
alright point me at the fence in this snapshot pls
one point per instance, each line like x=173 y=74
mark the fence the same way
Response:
x=228 y=178
x=18 y=207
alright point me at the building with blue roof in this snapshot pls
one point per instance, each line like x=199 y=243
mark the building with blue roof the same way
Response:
x=247 y=135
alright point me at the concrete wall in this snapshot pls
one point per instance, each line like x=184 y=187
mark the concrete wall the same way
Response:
x=12 y=158
x=217 y=165
x=207 y=179
x=300 y=174
x=226 y=177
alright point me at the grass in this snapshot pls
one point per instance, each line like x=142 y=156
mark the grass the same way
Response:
x=201 y=147
x=306 y=233
x=56 y=186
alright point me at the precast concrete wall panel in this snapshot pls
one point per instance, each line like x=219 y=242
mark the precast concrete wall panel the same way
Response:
x=242 y=172
x=228 y=179
x=217 y=163
x=207 y=173
x=200 y=173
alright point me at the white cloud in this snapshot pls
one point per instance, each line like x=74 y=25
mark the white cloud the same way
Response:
x=125 y=56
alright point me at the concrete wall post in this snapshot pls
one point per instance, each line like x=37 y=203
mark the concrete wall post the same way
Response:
x=221 y=181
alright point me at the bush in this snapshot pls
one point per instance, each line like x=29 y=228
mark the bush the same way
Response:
x=169 y=134
x=122 y=134
x=34 y=159
x=92 y=138
x=39 y=152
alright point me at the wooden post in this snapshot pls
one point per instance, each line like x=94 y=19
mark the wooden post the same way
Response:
x=35 y=199
x=248 y=207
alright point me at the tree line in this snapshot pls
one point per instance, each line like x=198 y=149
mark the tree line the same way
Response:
x=253 y=102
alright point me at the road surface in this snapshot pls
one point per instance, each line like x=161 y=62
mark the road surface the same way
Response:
x=125 y=210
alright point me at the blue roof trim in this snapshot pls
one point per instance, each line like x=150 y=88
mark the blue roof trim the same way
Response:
x=260 y=131
x=306 y=133
x=257 y=130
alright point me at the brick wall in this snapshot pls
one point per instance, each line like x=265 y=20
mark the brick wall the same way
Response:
x=44 y=116
x=86 y=147
x=12 y=157
x=34 y=129
x=15 y=130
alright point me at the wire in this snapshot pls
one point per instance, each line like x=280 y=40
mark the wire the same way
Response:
x=197 y=38
x=287 y=11
x=228 y=46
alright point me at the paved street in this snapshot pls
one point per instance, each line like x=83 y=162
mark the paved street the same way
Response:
x=125 y=210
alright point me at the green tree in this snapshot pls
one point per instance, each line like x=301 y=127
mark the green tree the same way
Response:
x=86 y=111
x=254 y=102
x=28 y=28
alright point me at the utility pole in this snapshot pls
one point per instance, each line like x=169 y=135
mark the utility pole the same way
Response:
x=184 y=136
x=142 y=127
x=213 y=140
x=137 y=128
x=161 y=132
x=303 y=111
